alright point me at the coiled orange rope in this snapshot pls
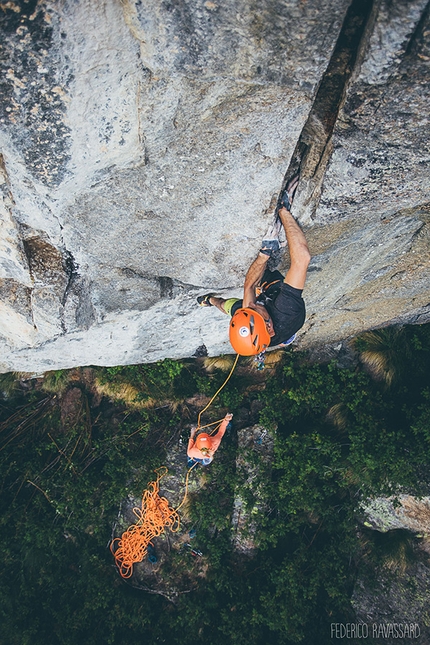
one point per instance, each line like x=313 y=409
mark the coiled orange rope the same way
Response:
x=153 y=516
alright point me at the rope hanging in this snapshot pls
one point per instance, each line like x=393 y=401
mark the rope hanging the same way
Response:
x=199 y=427
x=155 y=514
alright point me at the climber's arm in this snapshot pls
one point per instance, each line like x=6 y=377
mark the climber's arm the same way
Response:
x=216 y=439
x=253 y=277
x=191 y=450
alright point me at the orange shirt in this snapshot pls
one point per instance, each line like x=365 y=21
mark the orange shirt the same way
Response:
x=215 y=442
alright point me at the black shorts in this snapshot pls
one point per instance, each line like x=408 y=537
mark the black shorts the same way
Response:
x=287 y=312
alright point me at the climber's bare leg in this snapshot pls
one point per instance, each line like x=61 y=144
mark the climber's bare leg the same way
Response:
x=218 y=303
x=299 y=251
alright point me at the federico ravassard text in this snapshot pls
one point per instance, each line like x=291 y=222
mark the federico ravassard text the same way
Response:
x=375 y=630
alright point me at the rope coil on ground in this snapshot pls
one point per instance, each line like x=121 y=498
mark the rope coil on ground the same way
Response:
x=154 y=516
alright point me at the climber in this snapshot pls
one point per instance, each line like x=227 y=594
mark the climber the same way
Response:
x=202 y=450
x=272 y=309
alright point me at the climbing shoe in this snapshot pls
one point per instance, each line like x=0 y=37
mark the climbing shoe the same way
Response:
x=289 y=341
x=270 y=247
x=287 y=196
x=285 y=201
x=204 y=300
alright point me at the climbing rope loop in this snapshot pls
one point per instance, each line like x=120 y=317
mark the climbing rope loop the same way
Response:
x=153 y=517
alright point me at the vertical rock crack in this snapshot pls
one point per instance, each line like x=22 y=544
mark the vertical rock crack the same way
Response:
x=313 y=148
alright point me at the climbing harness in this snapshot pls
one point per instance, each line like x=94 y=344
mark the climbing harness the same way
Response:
x=155 y=513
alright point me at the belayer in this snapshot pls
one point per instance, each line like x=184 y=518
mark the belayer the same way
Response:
x=202 y=449
x=272 y=309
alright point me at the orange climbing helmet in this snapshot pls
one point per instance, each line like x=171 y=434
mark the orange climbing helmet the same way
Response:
x=203 y=441
x=248 y=332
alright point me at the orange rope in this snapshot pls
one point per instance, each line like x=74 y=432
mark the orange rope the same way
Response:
x=216 y=393
x=186 y=486
x=153 y=516
x=210 y=424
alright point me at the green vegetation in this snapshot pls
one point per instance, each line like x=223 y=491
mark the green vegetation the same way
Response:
x=75 y=444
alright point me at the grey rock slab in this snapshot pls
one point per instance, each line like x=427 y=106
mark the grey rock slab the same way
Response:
x=366 y=272
x=127 y=337
x=144 y=143
x=411 y=514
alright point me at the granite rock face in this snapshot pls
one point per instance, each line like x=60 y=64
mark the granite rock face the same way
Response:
x=411 y=514
x=143 y=145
